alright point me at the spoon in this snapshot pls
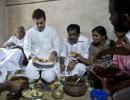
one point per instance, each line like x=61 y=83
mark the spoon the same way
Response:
x=77 y=80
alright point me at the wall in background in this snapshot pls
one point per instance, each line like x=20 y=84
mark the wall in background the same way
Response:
x=2 y=21
x=61 y=13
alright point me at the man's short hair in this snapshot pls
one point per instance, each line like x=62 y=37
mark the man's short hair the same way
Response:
x=38 y=13
x=73 y=27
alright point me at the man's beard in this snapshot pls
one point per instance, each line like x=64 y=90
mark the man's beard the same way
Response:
x=120 y=28
x=72 y=41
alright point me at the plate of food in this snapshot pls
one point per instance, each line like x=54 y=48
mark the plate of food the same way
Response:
x=32 y=93
x=42 y=63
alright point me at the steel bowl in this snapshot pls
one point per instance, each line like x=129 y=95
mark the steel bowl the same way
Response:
x=58 y=94
x=42 y=64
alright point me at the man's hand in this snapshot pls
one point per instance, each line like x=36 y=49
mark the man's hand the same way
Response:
x=78 y=57
x=108 y=72
x=53 y=56
x=10 y=44
x=62 y=67
x=31 y=56
x=71 y=65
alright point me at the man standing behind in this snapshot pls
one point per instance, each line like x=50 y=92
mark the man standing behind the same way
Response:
x=41 y=41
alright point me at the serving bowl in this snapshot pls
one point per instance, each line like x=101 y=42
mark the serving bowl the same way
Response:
x=75 y=88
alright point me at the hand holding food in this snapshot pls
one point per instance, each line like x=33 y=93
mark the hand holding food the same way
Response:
x=73 y=54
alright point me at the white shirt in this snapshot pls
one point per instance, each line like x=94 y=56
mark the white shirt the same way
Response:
x=81 y=47
x=41 y=43
x=16 y=41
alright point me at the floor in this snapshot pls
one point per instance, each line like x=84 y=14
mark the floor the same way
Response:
x=48 y=96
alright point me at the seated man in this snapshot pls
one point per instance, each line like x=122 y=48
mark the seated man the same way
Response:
x=74 y=46
x=12 y=55
x=41 y=41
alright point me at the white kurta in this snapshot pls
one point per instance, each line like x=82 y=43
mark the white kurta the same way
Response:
x=11 y=58
x=81 y=47
x=41 y=44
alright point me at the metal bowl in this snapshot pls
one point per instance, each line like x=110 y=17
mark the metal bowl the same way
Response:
x=42 y=64
x=58 y=94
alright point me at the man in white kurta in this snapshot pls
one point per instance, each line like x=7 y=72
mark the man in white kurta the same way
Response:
x=80 y=46
x=41 y=41
x=11 y=56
